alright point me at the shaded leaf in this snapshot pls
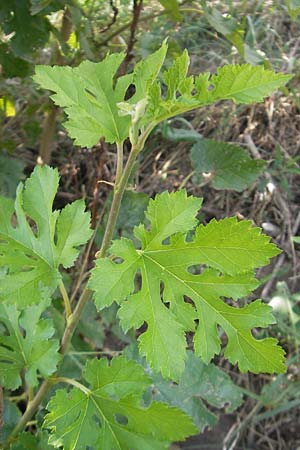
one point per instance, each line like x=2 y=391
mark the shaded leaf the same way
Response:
x=200 y=381
x=230 y=165
x=11 y=172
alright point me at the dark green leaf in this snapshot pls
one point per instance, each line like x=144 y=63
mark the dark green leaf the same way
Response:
x=229 y=165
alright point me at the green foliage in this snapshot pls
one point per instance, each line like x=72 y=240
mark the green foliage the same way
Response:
x=293 y=7
x=234 y=32
x=11 y=171
x=176 y=280
x=200 y=381
x=90 y=98
x=110 y=413
x=172 y=8
x=227 y=251
x=96 y=108
x=230 y=165
x=29 y=33
x=131 y=213
x=35 y=351
x=27 y=441
x=10 y=418
x=32 y=255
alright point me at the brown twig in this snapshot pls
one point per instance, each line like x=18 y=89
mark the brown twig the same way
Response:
x=137 y=7
x=114 y=18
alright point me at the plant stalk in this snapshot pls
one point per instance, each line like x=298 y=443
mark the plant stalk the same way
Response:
x=31 y=409
x=66 y=299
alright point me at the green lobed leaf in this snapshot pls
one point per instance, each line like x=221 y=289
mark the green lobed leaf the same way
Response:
x=240 y=83
x=32 y=250
x=33 y=351
x=226 y=251
x=110 y=414
x=96 y=106
x=90 y=98
x=200 y=382
x=230 y=165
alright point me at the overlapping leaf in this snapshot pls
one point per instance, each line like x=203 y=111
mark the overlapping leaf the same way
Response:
x=227 y=252
x=32 y=250
x=199 y=382
x=33 y=351
x=110 y=414
x=96 y=106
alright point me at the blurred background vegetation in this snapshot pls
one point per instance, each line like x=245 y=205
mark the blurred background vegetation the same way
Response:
x=256 y=175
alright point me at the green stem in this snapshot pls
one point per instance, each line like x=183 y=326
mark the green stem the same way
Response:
x=73 y=383
x=66 y=299
x=31 y=409
x=116 y=203
x=119 y=163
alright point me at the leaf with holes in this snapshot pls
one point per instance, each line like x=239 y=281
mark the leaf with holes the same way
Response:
x=35 y=240
x=229 y=165
x=240 y=83
x=227 y=252
x=97 y=107
x=110 y=414
x=90 y=98
x=35 y=351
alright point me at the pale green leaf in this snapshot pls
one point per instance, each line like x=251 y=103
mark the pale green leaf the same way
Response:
x=33 y=351
x=245 y=83
x=91 y=99
x=96 y=107
x=110 y=414
x=229 y=165
x=240 y=83
x=32 y=250
x=226 y=253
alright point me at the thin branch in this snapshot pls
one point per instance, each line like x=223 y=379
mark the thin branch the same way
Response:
x=66 y=299
x=137 y=7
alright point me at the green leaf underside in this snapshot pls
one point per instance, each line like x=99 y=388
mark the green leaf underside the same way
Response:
x=34 y=351
x=32 y=250
x=230 y=165
x=91 y=99
x=199 y=382
x=227 y=250
x=111 y=415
